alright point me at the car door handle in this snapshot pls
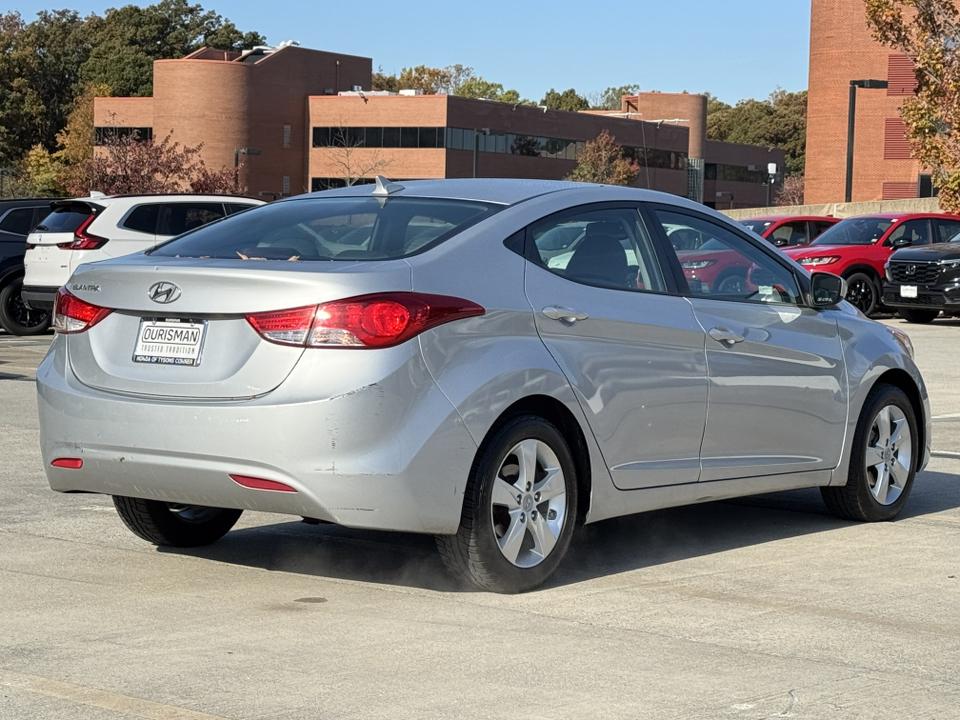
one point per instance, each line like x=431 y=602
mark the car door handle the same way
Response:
x=722 y=335
x=564 y=314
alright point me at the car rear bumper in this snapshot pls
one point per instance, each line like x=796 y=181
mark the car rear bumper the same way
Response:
x=390 y=455
x=39 y=298
x=937 y=298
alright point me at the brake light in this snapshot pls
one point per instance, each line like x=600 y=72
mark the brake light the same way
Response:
x=367 y=321
x=28 y=246
x=73 y=315
x=82 y=240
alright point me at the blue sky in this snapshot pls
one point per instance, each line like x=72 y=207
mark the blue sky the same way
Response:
x=736 y=49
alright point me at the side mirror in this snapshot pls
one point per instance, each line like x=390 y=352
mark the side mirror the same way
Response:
x=826 y=290
x=902 y=241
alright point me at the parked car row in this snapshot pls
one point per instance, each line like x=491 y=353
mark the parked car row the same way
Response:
x=493 y=362
x=908 y=262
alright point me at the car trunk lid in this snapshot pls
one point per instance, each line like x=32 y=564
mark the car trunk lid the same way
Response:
x=179 y=330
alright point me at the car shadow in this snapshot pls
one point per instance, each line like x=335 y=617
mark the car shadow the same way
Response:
x=600 y=549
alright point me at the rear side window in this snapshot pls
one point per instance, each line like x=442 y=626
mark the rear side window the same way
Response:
x=143 y=219
x=345 y=228
x=949 y=229
x=18 y=221
x=178 y=218
x=237 y=207
x=65 y=219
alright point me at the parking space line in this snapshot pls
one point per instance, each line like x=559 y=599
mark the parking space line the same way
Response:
x=134 y=707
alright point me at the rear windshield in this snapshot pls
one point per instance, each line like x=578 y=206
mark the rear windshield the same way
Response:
x=854 y=231
x=65 y=219
x=343 y=228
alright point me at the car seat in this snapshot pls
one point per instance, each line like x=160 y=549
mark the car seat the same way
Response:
x=600 y=258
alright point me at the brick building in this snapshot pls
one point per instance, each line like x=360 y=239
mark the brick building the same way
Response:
x=841 y=51
x=298 y=120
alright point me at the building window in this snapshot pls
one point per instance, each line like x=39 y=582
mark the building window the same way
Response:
x=286 y=136
x=116 y=132
x=286 y=185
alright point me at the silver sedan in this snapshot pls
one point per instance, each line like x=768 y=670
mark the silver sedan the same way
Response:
x=493 y=362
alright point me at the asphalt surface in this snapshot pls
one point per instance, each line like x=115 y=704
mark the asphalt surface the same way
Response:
x=760 y=608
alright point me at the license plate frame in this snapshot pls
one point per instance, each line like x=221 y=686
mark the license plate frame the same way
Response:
x=908 y=291
x=183 y=349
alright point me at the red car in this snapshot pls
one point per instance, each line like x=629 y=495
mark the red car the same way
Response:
x=784 y=230
x=857 y=249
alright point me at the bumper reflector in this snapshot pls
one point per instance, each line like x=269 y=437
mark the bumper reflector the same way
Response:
x=261 y=484
x=69 y=463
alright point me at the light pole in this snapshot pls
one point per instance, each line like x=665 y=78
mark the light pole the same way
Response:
x=851 y=123
x=236 y=164
x=477 y=132
x=771 y=179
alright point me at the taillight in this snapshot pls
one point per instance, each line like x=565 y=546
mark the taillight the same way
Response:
x=368 y=321
x=28 y=246
x=73 y=315
x=82 y=240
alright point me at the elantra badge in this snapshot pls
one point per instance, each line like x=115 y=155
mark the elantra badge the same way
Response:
x=163 y=292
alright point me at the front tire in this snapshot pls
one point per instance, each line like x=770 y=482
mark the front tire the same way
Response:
x=519 y=509
x=918 y=316
x=883 y=460
x=862 y=293
x=171 y=525
x=15 y=317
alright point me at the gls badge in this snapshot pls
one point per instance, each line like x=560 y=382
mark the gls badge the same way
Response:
x=163 y=292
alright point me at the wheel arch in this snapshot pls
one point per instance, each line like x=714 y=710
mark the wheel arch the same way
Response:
x=558 y=414
x=861 y=268
x=901 y=379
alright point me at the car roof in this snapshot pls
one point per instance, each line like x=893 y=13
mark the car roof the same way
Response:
x=175 y=197
x=502 y=191
x=785 y=218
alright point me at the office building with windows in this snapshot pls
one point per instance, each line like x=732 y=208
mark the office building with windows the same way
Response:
x=294 y=120
x=842 y=51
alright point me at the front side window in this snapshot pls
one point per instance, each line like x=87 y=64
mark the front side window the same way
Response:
x=725 y=266
x=338 y=228
x=916 y=232
x=793 y=233
x=607 y=248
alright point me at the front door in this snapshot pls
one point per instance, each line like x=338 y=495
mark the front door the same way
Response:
x=631 y=348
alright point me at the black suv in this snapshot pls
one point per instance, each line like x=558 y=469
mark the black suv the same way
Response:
x=17 y=218
x=922 y=281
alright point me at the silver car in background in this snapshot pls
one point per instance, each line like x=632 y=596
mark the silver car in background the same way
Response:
x=493 y=362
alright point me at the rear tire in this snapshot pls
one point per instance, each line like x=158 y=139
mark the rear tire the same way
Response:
x=15 y=317
x=883 y=460
x=862 y=292
x=918 y=316
x=168 y=524
x=519 y=509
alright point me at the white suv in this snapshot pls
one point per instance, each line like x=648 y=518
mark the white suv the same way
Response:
x=98 y=227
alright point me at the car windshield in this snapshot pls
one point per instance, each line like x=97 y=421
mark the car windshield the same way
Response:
x=758 y=226
x=337 y=228
x=855 y=231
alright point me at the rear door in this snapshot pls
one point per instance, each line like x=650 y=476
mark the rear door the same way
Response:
x=46 y=264
x=627 y=342
x=777 y=391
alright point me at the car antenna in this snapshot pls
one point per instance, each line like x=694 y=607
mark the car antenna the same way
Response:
x=385 y=187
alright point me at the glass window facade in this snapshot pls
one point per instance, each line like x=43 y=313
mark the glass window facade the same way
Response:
x=100 y=134
x=733 y=173
x=505 y=143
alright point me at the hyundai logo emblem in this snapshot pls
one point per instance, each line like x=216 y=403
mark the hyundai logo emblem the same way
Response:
x=163 y=292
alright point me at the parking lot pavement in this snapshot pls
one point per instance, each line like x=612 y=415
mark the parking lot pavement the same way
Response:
x=759 y=608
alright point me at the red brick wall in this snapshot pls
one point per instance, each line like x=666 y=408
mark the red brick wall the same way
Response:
x=841 y=50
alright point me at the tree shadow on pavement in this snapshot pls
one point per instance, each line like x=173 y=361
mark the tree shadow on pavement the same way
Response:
x=605 y=548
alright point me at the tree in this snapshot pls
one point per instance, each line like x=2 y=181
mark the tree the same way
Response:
x=127 y=164
x=611 y=98
x=929 y=32
x=567 y=100
x=40 y=173
x=779 y=121
x=355 y=161
x=602 y=161
x=127 y=40
x=477 y=87
x=791 y=192
x=76 y=139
